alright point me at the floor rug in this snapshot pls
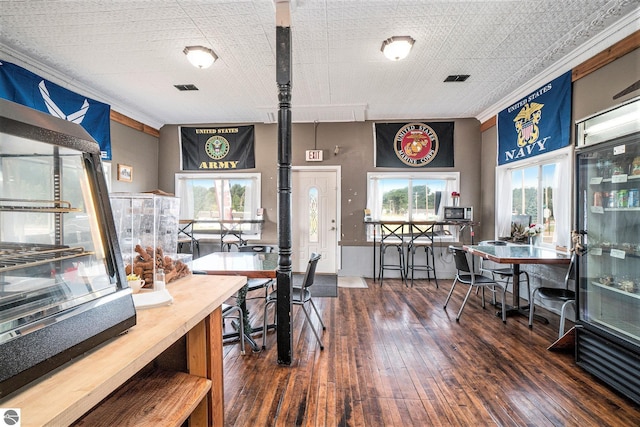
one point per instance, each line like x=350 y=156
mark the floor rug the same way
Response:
x=351 y=282
x=324 y=285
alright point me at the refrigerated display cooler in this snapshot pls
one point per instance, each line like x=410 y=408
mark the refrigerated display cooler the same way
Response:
x=608 y=272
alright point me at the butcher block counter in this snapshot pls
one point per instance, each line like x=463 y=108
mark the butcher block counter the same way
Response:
x=135 y=364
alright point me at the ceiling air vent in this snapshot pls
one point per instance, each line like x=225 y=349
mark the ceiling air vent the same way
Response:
x=457 y=78
x=185 y=87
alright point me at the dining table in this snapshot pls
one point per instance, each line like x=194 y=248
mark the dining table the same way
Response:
x=249 y=264
x=516 y=255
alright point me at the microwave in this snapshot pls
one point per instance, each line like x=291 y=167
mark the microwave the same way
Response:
x=458 y=213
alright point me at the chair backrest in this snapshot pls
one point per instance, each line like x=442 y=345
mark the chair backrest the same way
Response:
x=255 y=248
x=460 y=258
x=523 y=220
x=310 y=274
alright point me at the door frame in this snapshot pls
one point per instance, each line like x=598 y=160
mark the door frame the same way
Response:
x=338 y=171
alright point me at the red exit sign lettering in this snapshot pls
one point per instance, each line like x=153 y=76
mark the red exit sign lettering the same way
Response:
x=314 y=155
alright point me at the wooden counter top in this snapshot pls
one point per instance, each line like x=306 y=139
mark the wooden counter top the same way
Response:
x=66 y=394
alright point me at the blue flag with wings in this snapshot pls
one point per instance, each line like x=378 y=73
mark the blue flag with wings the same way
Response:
x=26 y=88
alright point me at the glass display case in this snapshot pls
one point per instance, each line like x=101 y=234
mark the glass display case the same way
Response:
x=62 y=284
x=147 y=228
x=608 y=208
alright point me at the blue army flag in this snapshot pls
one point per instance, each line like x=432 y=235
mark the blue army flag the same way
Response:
x=24 y=87
x=536 y=124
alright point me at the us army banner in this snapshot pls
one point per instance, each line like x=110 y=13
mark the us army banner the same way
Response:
x=415 y=144
x=219 y=148
x=538 y=123
x=24 y=87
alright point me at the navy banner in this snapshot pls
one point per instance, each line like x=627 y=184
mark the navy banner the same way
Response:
x=415 y=145
x=537 y=124
x=26 y=88
x=221 y=148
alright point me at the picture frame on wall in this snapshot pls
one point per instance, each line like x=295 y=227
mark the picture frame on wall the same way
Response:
x=125 y=173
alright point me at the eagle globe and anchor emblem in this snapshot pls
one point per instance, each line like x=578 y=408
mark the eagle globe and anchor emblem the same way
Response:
x=217 y=147
x=416 y=144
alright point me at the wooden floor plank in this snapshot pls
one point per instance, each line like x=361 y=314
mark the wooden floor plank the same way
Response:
x=393 y=356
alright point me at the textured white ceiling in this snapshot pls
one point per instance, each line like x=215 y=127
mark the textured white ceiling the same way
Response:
x=128 y=53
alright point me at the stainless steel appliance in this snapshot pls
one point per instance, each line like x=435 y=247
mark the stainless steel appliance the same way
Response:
x=608 y=210
x=458 y=213
x=62 y=285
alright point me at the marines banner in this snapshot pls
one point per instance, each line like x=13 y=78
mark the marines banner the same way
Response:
x=536 y=124
x=413 y=145
x=219 y=148
x=26 y=88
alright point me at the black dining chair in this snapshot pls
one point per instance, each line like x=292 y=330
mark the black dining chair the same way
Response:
x=466 y=276
x=254 y=284
x=564 y=295
x=300 y=295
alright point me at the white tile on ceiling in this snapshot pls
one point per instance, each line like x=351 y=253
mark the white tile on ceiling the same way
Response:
x=130 y=52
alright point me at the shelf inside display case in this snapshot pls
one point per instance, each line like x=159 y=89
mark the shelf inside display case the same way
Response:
x=18 y=256
x=616 y=287
x=25 y=205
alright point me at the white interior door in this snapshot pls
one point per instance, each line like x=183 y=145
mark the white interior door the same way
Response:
x=315 y=225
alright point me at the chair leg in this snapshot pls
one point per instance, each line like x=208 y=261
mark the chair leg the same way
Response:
x=324 y=328
x=563 y=316
x=450 y=293
x=241 y=334
x=433 y=264
x=306 y=314
x=532 y=305
x=241 y=330
x=265 y=323
x=466 y=297
x=504 y=307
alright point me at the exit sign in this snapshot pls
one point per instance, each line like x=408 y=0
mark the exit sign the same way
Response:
x=314 y=155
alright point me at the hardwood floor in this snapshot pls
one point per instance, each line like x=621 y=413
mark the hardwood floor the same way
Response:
x=394 y=357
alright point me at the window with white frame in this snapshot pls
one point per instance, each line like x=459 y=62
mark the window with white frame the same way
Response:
x=210 y=196
x=539 y=188
x=417 y=196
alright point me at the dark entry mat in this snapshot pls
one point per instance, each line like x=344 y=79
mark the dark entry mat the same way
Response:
x=324 y=285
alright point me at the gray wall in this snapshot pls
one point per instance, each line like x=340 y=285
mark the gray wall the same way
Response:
x=356 y=158
x=138 y=150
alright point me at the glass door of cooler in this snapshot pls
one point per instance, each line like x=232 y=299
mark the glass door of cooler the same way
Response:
x=609 y=214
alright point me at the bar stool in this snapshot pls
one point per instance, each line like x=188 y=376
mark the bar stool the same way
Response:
x=421 y=239
x=391 y=237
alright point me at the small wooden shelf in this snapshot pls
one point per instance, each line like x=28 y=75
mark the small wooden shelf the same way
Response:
x=155 y=398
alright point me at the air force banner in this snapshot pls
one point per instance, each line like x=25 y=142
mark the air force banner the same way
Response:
x=221 y=148
x=415 y=145
x=537 y=124
x=26 y=88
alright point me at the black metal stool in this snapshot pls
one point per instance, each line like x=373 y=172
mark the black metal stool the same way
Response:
x=421 y=239
x=391 y=236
